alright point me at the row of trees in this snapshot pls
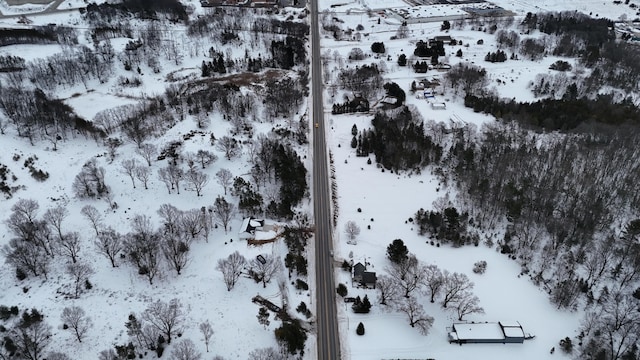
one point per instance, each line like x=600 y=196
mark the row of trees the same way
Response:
x=564 y=114
x=36 y=240
x=36 y=116
x=29 y=336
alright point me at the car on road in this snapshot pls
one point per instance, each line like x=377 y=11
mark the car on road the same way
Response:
x=317 y=125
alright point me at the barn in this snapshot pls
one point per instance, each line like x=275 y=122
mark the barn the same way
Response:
x=486 y=333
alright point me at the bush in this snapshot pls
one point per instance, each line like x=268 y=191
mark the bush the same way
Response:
x=360 y=329
x=378 y=48
x=5 y=313
x=301 y=285
x=566 y=345
x=346 y=266
x=20 y=274
x=361 y=306
x=342 y=290
x=302 y=308
x=560 y=65
x=480 y=267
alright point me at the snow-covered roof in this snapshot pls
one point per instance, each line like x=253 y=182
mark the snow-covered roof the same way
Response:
x=513 y=331
x=510 y=324
x=474 y=331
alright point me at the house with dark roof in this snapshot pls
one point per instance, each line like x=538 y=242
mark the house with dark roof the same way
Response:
x=369 y=279
x=358 y=270
x=363 y=277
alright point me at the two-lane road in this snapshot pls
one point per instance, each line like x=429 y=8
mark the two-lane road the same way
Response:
x=327 y=326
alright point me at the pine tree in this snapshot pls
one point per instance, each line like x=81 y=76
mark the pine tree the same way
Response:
x=360 y=329
x=263 y=317
x=397 y=251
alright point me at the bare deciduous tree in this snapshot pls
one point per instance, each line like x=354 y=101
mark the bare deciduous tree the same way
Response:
x=168 y=318
x=75 y=318
x=31 y=337
x=207 y=332
x=109 y=243
x=163 y=175
x=197 y=180
x=352 y=229
x=205 y=157
x=175 y=176
x=466 y=304
x=223 y=211
x=407 y=274
x=143 y=173
x=185 y=349
x=191 y=222
x=612 y=329
x=264 y=271
x=23 y=223
x=94 y=217
x=454 y=287
x=80 y=273
x=388 y=289
x=415 y=312
x=69 y=245
x=148 y=152
x=27 y=257
x=229 y=146
x=129 y=169
x=143 y=247
x=109 y=354
x=171 y=216
x=175 y=247
x=433 y=280
x=266 y=354
x=231 y=268
x=225 y=178
x=54 y=217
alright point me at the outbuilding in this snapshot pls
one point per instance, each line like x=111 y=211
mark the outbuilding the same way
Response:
x=487 y=333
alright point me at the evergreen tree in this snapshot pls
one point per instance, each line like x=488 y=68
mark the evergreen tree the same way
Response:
x=402 y=60
x=397 y=251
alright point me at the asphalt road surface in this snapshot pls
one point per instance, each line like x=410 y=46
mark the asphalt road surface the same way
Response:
x=327 y=325
x=51 y=9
